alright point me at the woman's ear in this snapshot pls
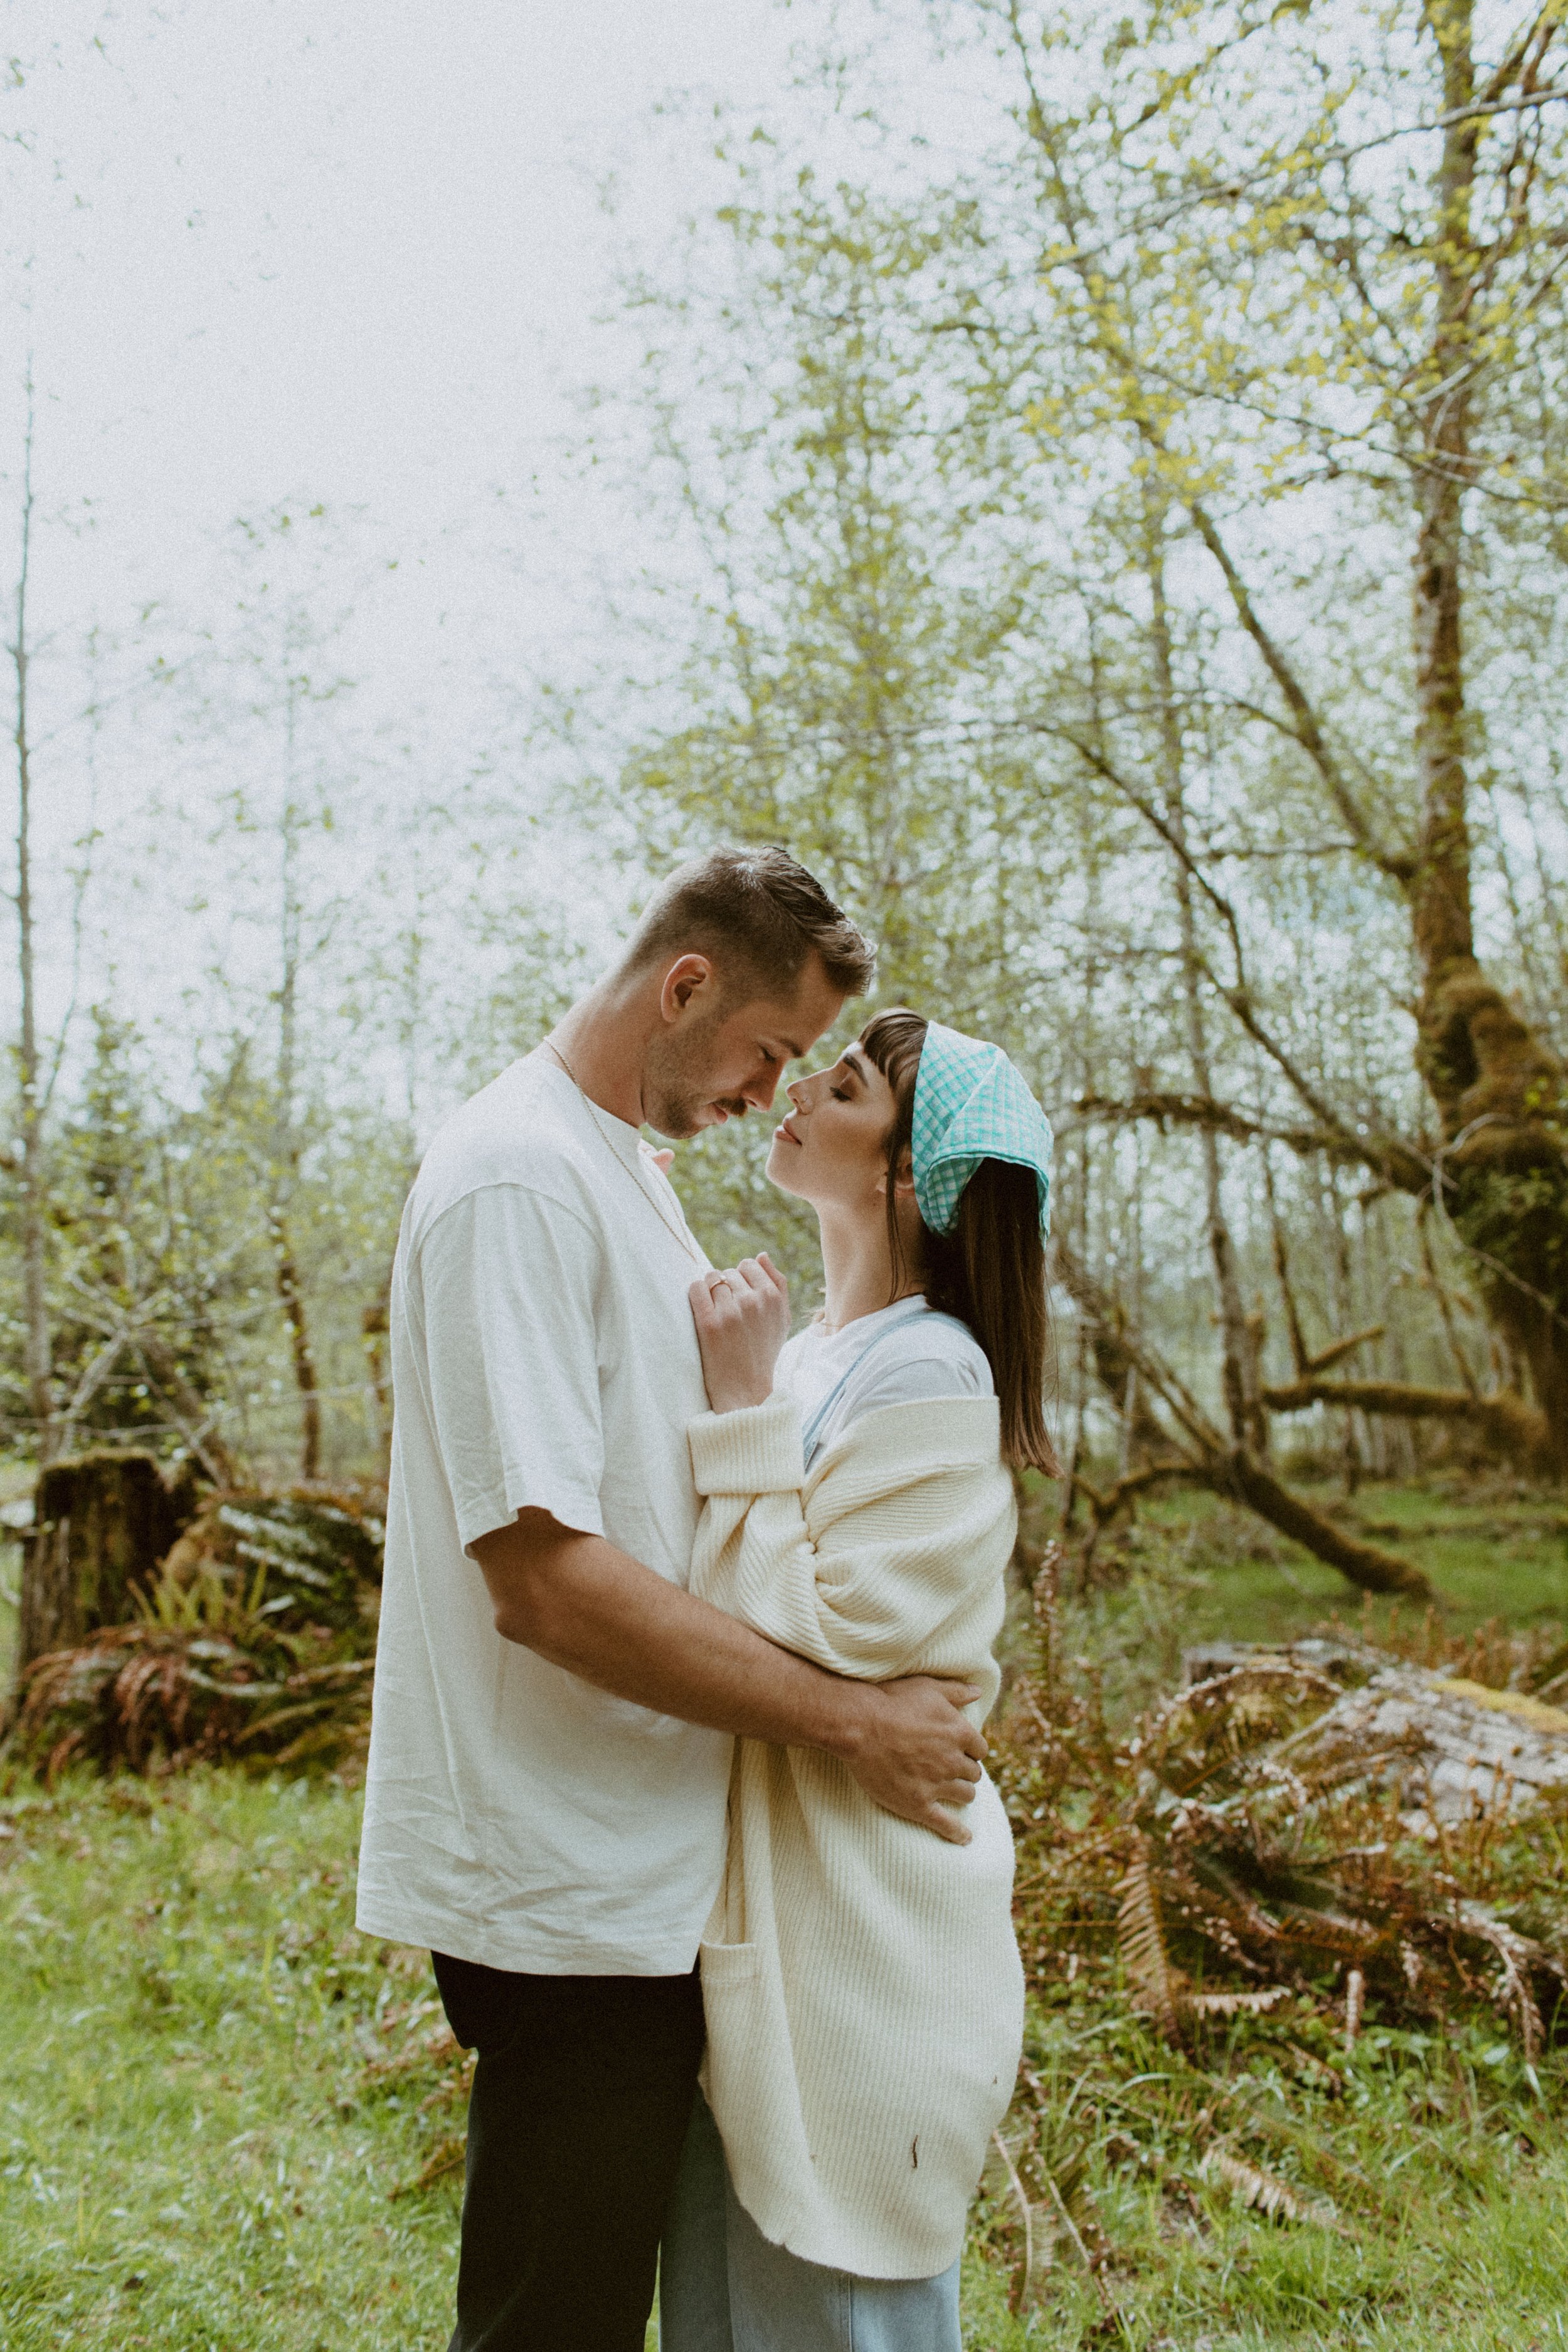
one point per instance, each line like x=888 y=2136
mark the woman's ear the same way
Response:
x=903 y=1179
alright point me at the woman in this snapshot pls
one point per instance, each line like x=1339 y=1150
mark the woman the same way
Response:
x=862 y=1986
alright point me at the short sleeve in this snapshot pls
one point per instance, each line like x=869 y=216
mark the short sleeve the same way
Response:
x=506 y=1279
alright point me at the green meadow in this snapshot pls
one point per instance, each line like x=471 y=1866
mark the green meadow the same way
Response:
x=229 y=2124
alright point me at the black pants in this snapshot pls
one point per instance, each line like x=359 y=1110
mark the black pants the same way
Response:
x=581 y=2100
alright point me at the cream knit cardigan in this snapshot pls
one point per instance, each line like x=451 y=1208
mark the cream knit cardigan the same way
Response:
x=863 y=1991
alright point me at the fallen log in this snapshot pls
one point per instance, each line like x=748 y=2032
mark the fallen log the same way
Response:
x=1448 y=1748
x=1366 y=1564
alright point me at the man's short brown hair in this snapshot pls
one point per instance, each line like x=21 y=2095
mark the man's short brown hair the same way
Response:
x=759 y=914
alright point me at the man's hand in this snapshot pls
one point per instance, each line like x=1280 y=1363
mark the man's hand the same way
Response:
x=742 y=1320
x=916 y=1754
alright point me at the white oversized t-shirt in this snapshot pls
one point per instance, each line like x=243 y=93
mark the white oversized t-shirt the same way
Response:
x=543 y=1356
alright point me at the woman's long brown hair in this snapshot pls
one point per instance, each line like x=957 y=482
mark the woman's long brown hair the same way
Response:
x=990 y=1271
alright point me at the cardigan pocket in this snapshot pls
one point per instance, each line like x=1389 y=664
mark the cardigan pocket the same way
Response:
x=725 y=1965
x=748 y=2077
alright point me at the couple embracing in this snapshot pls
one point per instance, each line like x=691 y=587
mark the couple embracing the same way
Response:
x=685 y=1642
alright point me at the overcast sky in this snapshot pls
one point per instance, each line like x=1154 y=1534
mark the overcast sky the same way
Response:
x=350 y=247
x=340 y=251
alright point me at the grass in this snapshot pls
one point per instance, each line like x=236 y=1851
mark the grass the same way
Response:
x=1432 y=2173
x=213 y=2087
x=219 y=2104
x=199 y=2127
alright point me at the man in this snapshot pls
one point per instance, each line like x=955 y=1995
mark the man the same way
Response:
x=551 y=1747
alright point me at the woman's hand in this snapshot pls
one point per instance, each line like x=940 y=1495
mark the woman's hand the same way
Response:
x=742 y=1320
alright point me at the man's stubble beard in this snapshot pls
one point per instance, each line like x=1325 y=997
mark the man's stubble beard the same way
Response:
x=678 y=1084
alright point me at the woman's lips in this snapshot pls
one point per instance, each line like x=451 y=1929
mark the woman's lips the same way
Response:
x=785 y=1133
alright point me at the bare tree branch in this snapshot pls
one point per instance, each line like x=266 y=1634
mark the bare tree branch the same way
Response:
x=1505 y=1422
x=1306 y=730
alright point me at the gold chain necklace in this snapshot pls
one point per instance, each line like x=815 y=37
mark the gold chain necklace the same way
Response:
x=651 y=1199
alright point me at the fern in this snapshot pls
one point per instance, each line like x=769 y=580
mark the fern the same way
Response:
x=1266 y=2193
x=1274 y=1858
x=1237 y=2004
x=1513 y=1992
x=1156 y=1983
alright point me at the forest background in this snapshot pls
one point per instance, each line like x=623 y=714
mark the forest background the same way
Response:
x=1111 y=523
x=1095 y=488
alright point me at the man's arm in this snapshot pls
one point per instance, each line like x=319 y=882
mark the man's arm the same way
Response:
x=583 y=1604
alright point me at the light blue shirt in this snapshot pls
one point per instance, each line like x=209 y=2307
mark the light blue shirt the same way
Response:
x=903 y=1354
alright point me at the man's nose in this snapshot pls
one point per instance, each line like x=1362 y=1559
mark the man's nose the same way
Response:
x=761 y=1087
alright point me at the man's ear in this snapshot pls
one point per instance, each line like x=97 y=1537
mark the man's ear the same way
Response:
x=685 y=978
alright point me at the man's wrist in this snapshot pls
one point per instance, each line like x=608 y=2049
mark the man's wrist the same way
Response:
x=849 y=1728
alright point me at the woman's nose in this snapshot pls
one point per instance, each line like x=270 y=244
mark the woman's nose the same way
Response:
x=797 y=1092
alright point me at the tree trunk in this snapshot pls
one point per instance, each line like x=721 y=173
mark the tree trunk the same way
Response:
x=1249 y=1422
x=1502 y=1178
x=304 y=1356
x=41 y=1573
x=375 y=1325
x=287 y=1174
x=103 y=1523
x=37 y=1338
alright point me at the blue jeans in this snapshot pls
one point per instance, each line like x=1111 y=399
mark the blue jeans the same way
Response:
x=724 y=2288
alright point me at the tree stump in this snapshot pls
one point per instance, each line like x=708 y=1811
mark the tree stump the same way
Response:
x=102 y=1522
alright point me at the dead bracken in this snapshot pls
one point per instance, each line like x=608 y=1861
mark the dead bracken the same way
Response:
x=1294 y=1818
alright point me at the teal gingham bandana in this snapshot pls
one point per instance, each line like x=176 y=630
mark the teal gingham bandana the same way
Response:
x=971 y=1105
